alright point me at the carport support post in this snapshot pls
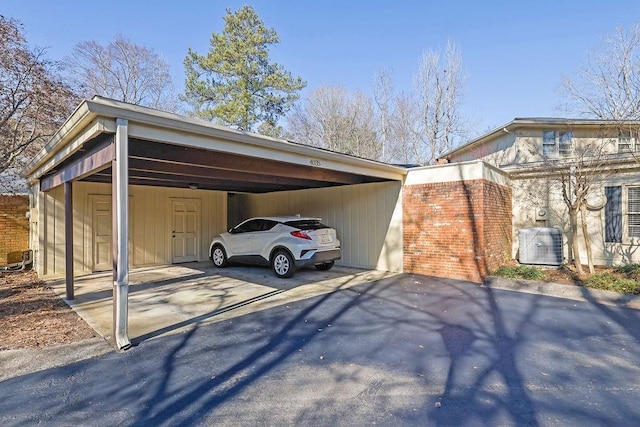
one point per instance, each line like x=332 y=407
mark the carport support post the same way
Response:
x=120 y=215
x=68 y=239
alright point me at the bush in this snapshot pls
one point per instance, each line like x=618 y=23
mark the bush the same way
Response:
x=610 y=282
x=632 y=271
x=520 y=272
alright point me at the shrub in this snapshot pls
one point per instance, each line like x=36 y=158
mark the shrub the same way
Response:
x=632 y=271
x=611 y=282
x=520 y=272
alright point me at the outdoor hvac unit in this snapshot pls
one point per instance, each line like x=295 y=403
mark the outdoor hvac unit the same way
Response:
x=540 y=245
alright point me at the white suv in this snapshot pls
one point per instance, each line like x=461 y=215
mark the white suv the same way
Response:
x=286 y=243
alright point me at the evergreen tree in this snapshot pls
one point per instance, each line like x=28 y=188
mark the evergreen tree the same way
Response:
x=235 y=83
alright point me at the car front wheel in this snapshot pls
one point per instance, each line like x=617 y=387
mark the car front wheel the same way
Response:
x=219 y=256
x=282 y=264
x=324 y=267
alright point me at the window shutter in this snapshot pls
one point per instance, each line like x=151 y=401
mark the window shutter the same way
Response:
x=613 y=215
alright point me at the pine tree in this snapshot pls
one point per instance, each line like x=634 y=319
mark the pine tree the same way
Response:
x=235 y=83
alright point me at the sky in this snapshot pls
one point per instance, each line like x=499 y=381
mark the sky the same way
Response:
x=515 y=53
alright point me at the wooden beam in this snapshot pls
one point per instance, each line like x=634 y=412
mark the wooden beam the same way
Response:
x=86 y=165
x=159 y=180
x=196 y=172
x=234 y=162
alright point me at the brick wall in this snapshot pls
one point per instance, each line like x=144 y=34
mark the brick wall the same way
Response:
x=459 y=230
x=14 y=227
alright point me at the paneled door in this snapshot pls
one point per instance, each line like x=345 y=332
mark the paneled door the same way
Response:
x=102 y=255
x=185 y=230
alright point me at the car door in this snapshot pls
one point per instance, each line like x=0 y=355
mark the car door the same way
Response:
x=240 y=237
x=262 y=239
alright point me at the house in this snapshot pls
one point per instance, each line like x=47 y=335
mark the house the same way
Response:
x=552 y=161
x=122 y=186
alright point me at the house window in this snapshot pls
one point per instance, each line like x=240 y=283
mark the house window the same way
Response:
x=565 y=146
x=633 y=212
x=549 y=143
x=613 y=215
x=626 y=142
x=557 y=144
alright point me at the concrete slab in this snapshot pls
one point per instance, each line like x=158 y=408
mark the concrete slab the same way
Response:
x=167 y=299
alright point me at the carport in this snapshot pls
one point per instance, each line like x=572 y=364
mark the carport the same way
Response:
x=113 y=166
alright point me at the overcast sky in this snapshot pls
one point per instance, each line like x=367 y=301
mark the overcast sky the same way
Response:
x=515 y=52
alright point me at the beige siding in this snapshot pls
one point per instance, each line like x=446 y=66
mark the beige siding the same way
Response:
x=367 y=217
x=150 y=224
x=525 y=146
x=533 y=194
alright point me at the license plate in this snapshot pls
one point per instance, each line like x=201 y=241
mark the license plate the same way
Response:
x=325 y=238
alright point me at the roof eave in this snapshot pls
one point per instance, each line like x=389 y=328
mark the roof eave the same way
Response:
x=540 y=122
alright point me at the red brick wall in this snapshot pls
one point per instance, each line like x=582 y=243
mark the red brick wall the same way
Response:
x=14 y=226
x=459 y=230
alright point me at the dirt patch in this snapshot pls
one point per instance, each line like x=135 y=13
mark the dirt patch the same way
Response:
x=32 y=315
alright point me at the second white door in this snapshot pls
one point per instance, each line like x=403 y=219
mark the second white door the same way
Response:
x=185 y=230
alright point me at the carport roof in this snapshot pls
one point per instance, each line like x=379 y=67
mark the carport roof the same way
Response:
x=170 y=150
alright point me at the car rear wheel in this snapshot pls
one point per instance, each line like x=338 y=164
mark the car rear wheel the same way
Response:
x=219 y=256
x=324 y=267
x=282 y=264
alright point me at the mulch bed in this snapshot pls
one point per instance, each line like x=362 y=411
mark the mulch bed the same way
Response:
x=32 y=315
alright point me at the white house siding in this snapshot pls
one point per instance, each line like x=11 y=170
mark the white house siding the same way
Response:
x=530 y=195
x=150 y=233
x=521 y=147
x=367 y=218
x=525 y=146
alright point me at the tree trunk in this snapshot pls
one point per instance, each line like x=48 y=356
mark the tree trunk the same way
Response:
x=585 y=236
x=573 y=237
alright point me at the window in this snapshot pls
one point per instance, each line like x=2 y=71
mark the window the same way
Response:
x=626 y=142
x=549 y=143
x=565 y=146
x=557 y=144
x=613 y=215
x=633 y=212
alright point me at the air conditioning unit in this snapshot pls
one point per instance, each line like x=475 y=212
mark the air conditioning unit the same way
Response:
x=540 y=245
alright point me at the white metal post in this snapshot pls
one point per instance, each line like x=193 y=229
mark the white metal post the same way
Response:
x=120 y=178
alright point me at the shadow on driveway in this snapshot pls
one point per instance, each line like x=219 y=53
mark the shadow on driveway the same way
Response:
x=401 y=350
x=166 y=299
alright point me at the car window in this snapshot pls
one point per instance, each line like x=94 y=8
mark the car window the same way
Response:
x=253 y=225
x=268 y=224
x=306 y=224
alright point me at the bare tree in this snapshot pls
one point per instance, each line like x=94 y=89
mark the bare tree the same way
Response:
x=419 y=127
x=608 y=86
x=439 y=84
x=383 y=95
x=124 y=71
x=571 y=173
x=333 y=118
x=33 y=99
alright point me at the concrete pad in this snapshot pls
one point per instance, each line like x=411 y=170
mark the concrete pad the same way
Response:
x=168 y=299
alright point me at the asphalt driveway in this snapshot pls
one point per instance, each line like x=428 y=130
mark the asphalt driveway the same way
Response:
x=402 y=350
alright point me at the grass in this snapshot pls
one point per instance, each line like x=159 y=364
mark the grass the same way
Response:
x=520 y=272
x=611 y=282
x=623 y=279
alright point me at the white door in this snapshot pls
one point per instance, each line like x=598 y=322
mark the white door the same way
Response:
x=101 y=241
x=185 y=229
x=102 y=255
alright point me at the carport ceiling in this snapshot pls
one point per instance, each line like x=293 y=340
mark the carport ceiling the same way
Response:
x=161 y=164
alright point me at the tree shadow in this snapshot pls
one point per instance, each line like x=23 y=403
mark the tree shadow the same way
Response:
x=406 y=350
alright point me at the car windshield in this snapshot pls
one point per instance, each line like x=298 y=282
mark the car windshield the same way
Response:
x=306 y=224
